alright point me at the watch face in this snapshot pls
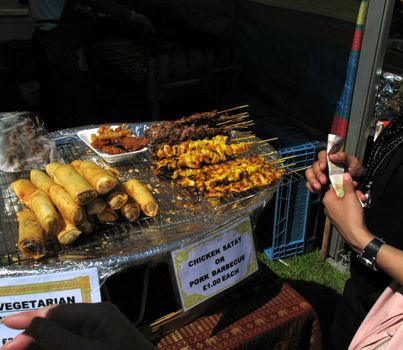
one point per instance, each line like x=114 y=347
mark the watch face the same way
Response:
x=367 y=262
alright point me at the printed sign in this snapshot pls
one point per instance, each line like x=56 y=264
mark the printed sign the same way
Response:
x=210 y=266
x=18 y=294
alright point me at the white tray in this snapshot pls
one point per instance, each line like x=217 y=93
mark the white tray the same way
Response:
x=85 y=136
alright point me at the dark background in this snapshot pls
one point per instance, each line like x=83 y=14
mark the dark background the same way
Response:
x=215 y=54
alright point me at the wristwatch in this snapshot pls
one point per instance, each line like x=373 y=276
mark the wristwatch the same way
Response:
x=368 y=255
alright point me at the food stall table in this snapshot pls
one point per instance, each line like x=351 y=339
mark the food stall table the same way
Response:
x=183 y=219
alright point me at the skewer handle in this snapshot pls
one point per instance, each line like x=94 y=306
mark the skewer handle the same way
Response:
x=296 y=170
x=233 y=109
x=233 y=120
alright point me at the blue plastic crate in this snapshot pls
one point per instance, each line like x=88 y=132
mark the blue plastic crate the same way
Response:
x=292 y=200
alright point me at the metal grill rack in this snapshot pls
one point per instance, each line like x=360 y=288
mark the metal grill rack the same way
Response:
x=181 y=211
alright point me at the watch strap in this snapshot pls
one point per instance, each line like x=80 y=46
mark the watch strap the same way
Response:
x=368 y=255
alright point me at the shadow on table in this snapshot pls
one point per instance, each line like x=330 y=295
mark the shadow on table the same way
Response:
x=324 y=301
x=246 y=298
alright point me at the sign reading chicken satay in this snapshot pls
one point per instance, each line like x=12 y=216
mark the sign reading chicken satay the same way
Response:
x=18 y=294
x=214 y=264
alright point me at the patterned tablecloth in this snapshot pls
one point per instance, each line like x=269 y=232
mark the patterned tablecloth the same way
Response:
x=263 y=313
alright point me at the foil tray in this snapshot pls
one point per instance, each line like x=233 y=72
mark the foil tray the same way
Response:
x=183 y=217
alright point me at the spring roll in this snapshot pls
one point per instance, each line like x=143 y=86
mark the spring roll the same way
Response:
x=68 y=233
x=63 y=201
x=97 y=206
x=41 y=180
x=117 y=197
x=39 y=202
x=86 y=225
x=31 y=236
x=130 y=210
x=51 y=167
x=143 y=196
x=108 y=215
x=78 y=187
x=45 y=211
x=102 y=180
x=23 y=188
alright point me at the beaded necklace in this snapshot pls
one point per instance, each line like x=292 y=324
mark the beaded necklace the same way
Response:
x=388 y=140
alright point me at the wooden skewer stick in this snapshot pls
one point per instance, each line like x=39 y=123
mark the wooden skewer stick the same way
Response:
x=246 y=126
x=234 y=120
x=268 y=154
x=262 y=141
x=238 y=125
x=166 y=317
x=232 y=116
x=280 y=160
x=249 y=132
x=232 y=109
x=243 y=138
x=287 y=165
x=296 y=170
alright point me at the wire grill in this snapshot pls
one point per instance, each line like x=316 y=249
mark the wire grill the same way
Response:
x=178 y=208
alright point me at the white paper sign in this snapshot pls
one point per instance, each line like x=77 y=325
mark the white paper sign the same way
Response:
x=210 y=266
x=18 y=294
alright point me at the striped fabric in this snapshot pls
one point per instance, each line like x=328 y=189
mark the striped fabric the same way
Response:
x=264 y=313
x=340 y=121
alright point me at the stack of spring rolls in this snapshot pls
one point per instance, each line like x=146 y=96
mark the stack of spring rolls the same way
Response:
x=67 y=200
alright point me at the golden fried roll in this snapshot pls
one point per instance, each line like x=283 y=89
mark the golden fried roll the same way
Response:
x=51 y=167
x=130 y=210
x=108 y=215
x=143 y=196
x=77 y=164
x=117 y=197
x=23 y=188
x=78 y=187
x=86 y=225
x=31 y=236
x=68 y=233
x=45 y=211
x=41 y=180
x=66 y=205
x=102 y=180
x=98 y=205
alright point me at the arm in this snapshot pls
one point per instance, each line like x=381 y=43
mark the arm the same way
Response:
x=390 y=260
x=83 y=326
x=348 y=216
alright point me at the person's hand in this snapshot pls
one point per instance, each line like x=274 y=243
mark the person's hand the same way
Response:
x=138 y=19
x=347 y=214
x=316 y=175
x=98 y=326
